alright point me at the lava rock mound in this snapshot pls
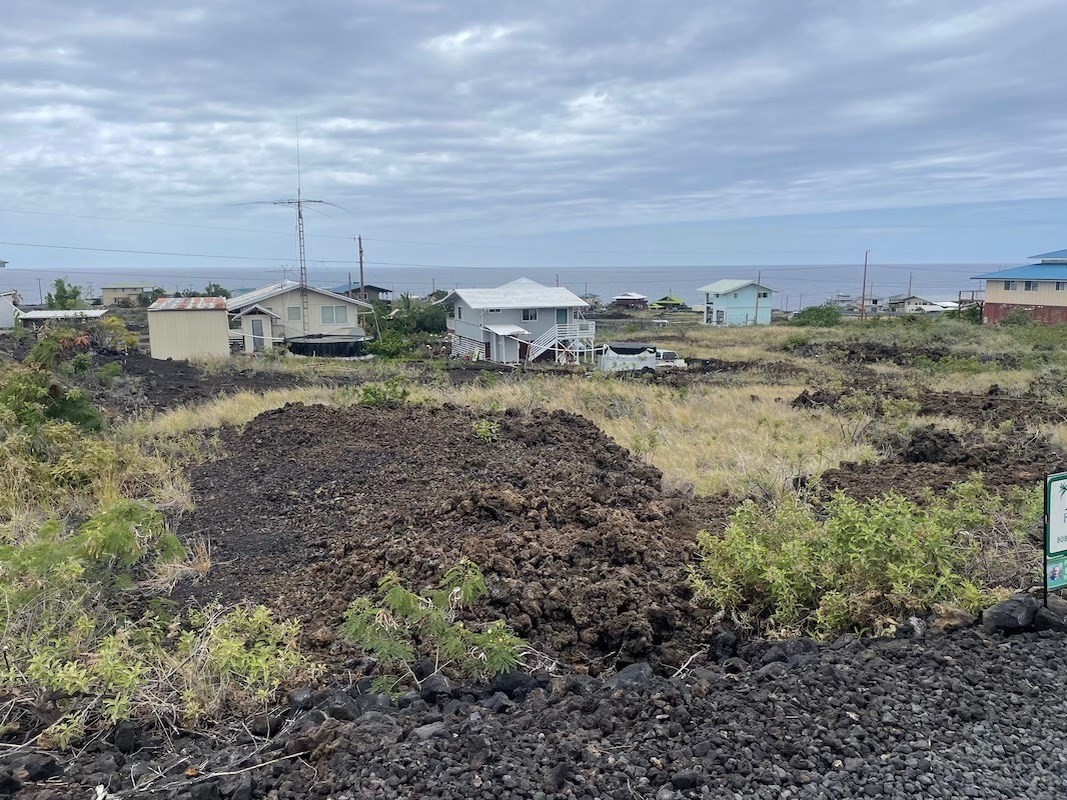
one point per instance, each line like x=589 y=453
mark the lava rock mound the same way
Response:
x=584 y=553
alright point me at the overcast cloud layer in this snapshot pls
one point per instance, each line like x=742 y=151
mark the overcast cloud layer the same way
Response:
x=503 y=122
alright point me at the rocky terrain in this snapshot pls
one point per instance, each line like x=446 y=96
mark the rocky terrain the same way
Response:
x=969 y=714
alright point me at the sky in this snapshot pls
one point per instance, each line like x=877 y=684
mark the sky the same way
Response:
x=545 y=135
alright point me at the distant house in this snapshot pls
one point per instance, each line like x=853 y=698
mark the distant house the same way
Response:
x=188 y=327
x=374 y=293
x=1039 y=289
x=631 y=300
x=124 y=295
x=737 y=302
x=906 y=303
x=40 y=319
x=274 y=314
x=8 y=310
x=519 y=322
x=669 y=303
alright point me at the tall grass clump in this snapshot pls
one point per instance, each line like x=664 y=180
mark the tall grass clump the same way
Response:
x=797 y=568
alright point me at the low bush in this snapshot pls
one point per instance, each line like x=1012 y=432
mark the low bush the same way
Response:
x=817 y=317
x=409 y=626
x=796 y=568
x=78 y=663
x=393 y=392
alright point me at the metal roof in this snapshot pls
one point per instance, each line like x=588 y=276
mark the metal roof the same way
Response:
x=189 y=304
x=507 y=330
x=281 y=287
x=74 y=313
x=630 y=296
x=1055 y=255
x=729 y=285
x=255 y=308
x=521 y=293
x=1029 y=272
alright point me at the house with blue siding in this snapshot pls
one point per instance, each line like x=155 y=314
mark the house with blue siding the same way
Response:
x=1039 y=290
x=737 y=302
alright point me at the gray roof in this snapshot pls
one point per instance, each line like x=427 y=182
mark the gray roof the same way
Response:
x=521 y=293
x=730 y=285
x=1030 y=272
x=281 y=287
x=74 y=313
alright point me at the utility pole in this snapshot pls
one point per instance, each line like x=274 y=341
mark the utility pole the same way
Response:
x=557 y=279
x=800 y=302
x=40 y=291
x=863 y=291
x=349 y=284
x=910 y=276
x=362 y=280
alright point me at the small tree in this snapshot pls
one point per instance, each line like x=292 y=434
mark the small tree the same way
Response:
x=408 y=626
x=64 y=296
x=149 y=297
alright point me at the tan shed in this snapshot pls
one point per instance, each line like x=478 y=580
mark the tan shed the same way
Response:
x=188 y=327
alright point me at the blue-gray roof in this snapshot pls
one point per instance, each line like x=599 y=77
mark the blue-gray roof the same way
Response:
x=1030 y=272
x=1055 y=255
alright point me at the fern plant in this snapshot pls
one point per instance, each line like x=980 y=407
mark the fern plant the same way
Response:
x=406 y=626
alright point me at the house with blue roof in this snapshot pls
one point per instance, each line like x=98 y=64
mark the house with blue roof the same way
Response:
x=1039 y=289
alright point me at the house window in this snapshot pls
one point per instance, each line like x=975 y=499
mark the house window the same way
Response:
x=458 y=312
x=334 y=315
x=1010 y=286
x=735 y=295
x=1061 y=285
x=293 y=313
x=529 y=315
x=494 y=310
x=764 y=294
x=1030 y=286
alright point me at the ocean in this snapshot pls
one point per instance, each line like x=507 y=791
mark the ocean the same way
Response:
x=796 y=285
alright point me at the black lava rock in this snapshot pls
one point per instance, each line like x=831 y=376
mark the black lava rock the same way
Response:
x=632 y=677
x=1014 y=615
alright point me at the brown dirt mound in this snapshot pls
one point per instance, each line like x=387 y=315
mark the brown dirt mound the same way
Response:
x=993 y=407
x=584 y=553
x=932 y=459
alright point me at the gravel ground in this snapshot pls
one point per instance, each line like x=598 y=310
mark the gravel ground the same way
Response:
x=962 y=715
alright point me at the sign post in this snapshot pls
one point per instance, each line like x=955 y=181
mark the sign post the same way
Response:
x=1055 y=556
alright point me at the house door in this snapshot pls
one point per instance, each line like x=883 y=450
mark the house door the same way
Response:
x=488 y=352
x=257 y=335
x=561 y=316
x=524 y=350
x=720 y=317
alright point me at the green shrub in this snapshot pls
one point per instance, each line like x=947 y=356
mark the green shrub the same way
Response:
x=817 y=317
x=796 y=568
x=486 y=430
x=408 y=626
x=393 y=392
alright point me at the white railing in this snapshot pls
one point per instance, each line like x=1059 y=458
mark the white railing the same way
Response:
x=572 y=332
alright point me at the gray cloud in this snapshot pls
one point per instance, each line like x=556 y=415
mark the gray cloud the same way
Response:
x=513 y=119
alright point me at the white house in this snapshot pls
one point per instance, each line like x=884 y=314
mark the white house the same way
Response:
x=275 y=313
x=737 y=302
x=520 y=322
x=8 y=311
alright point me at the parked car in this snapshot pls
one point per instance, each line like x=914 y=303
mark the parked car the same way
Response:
x=668 y=358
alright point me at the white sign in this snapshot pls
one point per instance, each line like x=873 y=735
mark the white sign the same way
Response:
x=1056 y=503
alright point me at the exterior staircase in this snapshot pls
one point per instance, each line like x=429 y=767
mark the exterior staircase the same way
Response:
x=570 y=342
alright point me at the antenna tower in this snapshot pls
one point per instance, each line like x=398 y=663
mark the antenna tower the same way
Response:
x=298 y=203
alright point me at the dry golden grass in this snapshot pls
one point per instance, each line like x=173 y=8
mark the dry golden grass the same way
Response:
x=234 y=409
x=715 y=439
